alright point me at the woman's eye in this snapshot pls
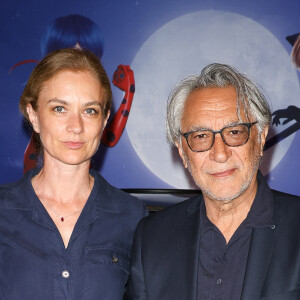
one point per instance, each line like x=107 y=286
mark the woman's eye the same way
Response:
x=90 y=111
x=59 y=109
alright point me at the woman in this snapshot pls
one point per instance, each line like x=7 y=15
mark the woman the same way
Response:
x=65 y=233
x=78 y=31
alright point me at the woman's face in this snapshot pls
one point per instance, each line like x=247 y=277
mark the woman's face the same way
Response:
x=69 y=117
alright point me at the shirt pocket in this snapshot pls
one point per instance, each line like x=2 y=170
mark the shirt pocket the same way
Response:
x=109 y=255
x=106 y=272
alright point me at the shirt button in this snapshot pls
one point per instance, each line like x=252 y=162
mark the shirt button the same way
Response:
x=219 y=281
x=218 y=259
x=65 y=274
x=115 y=259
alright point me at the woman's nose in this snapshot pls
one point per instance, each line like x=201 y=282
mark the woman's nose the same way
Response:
x=75 y=123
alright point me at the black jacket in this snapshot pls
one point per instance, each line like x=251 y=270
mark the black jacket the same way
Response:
x=166 y=247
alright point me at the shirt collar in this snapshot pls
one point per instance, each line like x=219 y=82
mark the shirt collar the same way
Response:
x=21 y=195
x=260 y=214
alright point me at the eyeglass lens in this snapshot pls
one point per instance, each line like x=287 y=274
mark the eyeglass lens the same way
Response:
x=234 y=136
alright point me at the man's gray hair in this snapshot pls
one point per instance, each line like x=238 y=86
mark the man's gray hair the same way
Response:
x=249 y=98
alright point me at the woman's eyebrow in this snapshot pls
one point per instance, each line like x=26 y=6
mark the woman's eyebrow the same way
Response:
x=55 y=100
x=65 y=102
x=91 y=103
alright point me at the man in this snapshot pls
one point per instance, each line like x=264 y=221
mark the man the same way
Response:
x=240 y=240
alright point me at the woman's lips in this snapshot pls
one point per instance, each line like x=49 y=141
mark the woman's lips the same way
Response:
x=73 y=145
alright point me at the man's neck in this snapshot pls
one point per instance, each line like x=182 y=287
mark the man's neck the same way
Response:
x=227 y=216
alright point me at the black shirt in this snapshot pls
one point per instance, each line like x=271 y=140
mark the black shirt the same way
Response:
x=222 y=266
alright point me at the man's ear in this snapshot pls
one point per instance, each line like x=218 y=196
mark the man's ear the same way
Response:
x=33 y=117
x=181 y=154
x=263 y=137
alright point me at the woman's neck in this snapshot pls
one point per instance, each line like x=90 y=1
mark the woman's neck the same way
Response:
x=64 y=183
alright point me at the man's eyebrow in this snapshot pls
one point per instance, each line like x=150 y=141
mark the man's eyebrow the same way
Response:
x=202 y=127
x=233 y=123
x=198 y=127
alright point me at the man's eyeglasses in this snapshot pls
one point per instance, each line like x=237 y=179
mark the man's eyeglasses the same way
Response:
x=232 y=135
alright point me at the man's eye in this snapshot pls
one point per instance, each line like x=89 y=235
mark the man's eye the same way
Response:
x=59 y=109
x=240 y=130
x=200 y=136
x=235 y=132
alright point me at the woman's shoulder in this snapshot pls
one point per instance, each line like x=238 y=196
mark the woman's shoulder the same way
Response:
x=114 y=198
x=9 y=187
x=12 y=193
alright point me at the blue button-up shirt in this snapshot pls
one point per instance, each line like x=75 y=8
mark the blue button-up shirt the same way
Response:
x=34 y=263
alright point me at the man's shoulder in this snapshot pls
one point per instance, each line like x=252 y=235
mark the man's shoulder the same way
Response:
x=286 y=213
x=286 y=204
x=174 y=215
x=285 y=199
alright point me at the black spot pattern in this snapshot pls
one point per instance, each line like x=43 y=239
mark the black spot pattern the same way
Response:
x=110 y=136
x=125 y=113
x=132 y=88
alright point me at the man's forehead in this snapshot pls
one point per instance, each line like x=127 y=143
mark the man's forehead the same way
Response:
x=213 y=95
x=212 y=107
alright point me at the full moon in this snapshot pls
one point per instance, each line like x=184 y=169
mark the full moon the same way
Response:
x=184 y=46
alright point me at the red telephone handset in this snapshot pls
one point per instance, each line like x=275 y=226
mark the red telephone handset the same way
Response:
x=123 y=79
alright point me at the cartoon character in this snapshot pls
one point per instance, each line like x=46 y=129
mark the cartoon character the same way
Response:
x=291 y=112
x=80 y=32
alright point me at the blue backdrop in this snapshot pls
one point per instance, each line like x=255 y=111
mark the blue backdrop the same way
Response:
x=162 y=41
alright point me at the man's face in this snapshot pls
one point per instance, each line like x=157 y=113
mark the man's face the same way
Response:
x=222 y=172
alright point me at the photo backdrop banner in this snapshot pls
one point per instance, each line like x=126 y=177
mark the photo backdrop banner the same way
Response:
x=162 y=41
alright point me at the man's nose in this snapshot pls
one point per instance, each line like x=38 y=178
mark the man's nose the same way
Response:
x=220 y=152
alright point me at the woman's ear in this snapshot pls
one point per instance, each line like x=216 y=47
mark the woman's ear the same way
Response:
x=33 y=117
x=106 y=119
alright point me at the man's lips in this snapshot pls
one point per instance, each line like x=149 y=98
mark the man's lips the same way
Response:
x=73 y=145
x=223 y=173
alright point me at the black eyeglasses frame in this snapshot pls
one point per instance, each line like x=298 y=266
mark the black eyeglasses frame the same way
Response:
x=248 y=125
